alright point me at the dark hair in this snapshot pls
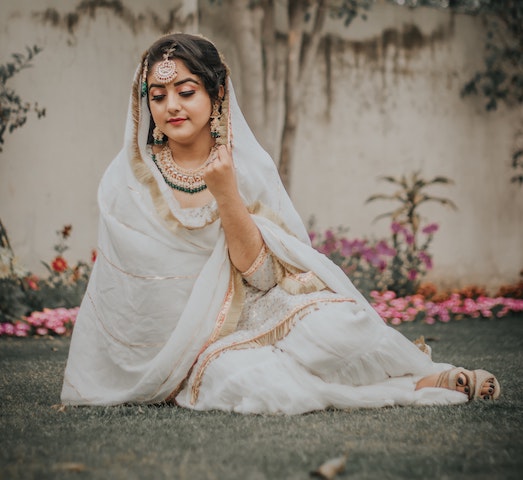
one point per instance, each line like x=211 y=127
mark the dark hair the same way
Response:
x=199 y=55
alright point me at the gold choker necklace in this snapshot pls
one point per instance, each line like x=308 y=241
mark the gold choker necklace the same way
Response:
x=182 y=179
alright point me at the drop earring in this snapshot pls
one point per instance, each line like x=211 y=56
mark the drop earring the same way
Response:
x=158 y=136
x=215 y=120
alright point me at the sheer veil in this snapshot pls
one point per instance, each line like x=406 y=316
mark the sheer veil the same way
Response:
x=161 y=291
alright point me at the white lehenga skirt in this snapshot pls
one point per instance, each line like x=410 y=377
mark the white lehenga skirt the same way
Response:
x=334 y=355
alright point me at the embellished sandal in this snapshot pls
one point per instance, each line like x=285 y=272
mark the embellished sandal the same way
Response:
x=474 y=383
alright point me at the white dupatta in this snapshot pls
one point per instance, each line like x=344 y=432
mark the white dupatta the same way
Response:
x=161 y=291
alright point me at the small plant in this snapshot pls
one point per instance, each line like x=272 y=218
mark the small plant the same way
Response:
x=412 y=260
x=65 y=284
x=378 y=264
x=411 y=196
x=22 y=292
x=12 y=296
x=410 y=239
x=363 y=261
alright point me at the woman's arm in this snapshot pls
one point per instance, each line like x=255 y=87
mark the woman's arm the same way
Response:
x=243 y=237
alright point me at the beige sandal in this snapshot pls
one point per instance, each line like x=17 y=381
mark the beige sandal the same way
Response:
x=474 y=383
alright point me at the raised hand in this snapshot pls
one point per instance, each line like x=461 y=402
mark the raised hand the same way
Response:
x=220 y=177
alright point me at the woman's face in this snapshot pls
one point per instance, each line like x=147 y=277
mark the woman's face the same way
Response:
x=180 y=109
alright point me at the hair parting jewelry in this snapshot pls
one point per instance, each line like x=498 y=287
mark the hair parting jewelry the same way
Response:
x=165 y=71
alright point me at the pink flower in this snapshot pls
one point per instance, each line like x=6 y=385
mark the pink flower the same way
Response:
x=412 y=274
x=8 y=329
x=388 y=295
x=60 y=330
x=430 y=228
x=426 y=259
x=22 y=329
x=396 y=227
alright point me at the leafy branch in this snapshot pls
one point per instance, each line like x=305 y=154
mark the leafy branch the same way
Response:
x=13 y=110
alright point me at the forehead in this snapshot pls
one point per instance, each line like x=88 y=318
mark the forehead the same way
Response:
x=181 y=70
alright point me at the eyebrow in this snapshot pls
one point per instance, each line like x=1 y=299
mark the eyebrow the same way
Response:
x=176 y=84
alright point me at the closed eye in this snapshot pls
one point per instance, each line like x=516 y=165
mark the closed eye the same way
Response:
x=157 y=98
x=187 y=93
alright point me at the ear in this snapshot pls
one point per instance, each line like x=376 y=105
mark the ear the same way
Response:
x=221 y=92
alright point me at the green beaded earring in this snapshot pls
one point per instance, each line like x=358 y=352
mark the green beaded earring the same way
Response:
x=158 y=136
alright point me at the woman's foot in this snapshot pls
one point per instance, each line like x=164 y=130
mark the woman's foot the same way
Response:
x=473 y=383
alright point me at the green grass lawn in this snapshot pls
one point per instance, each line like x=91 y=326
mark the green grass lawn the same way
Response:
x=476 y=441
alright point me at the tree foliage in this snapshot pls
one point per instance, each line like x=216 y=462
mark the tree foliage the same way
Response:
x=13 y=110
x=501 y=79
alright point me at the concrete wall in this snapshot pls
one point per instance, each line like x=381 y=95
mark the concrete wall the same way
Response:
x=383 y=98
x=394 y=107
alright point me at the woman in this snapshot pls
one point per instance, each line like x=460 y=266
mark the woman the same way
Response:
x=206 y=292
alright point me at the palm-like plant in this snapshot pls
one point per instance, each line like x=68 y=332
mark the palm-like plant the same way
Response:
x=411 y=196
x=412 y=259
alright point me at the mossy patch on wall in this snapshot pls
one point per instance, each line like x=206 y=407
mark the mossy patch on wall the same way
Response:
x=169 y=19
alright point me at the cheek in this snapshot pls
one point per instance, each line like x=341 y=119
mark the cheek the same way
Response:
x=155 y=111
x=206 y=108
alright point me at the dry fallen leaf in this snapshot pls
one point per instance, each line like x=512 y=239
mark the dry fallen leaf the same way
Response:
x=331 y=468
x=70 y=467
x=60 y=408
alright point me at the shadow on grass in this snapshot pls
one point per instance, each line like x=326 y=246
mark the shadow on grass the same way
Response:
x=480 y=440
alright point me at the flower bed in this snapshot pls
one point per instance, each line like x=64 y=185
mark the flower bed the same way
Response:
x=394 y=311
x=57 y=321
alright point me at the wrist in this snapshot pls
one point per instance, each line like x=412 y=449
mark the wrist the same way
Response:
x=229 y=199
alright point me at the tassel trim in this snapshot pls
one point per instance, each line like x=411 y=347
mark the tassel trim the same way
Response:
x=270 y=337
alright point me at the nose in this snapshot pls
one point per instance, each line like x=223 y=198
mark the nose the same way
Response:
x=173 y=104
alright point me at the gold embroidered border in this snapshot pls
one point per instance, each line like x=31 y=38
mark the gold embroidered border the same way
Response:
x=145 y=277
x=226 y=322
x=267 y=338
x=258 y=262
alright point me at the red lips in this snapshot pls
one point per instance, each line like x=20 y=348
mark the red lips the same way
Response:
x=176 y=121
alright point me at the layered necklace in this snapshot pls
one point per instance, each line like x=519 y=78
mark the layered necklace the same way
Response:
x=182 y=179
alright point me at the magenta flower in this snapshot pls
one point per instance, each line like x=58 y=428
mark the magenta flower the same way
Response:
x=430 y=228
x=395 y=310
x=396 y=227
x=426 y=259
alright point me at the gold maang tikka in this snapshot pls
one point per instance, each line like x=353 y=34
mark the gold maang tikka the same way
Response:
x=165 y=71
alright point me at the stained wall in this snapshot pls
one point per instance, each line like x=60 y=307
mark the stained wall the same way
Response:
x=382 y=99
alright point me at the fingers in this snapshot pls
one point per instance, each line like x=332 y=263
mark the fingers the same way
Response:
x=219 y=174
x=224 y=154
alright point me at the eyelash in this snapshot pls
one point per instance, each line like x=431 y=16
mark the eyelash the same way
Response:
x=158 y=98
